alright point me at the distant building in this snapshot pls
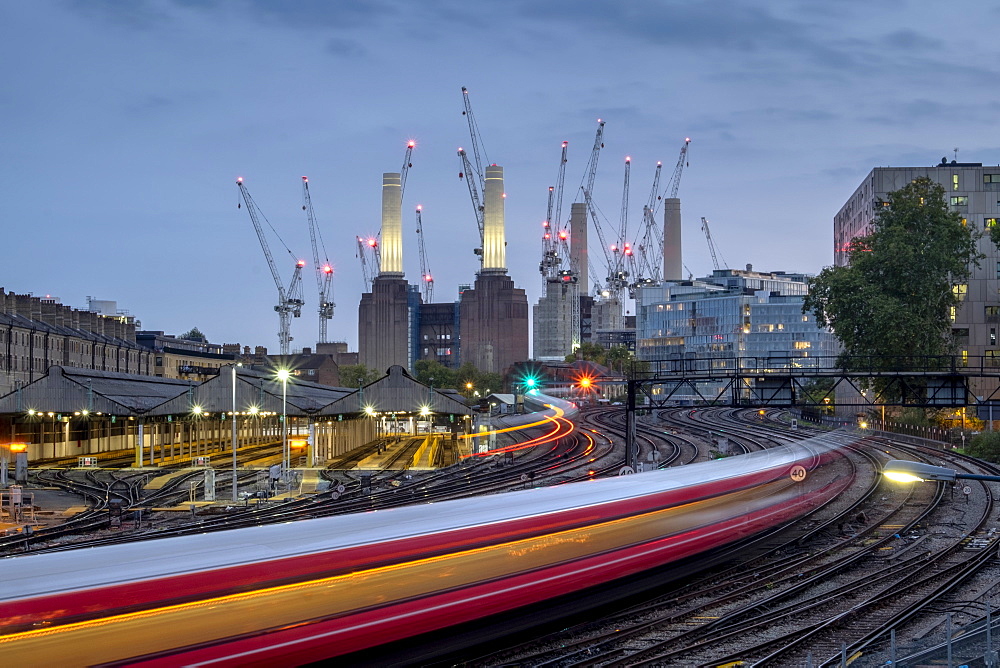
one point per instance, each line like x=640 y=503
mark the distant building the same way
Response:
x=971 y=189
x=184 y=358
x=37 y=333
x=732 y=313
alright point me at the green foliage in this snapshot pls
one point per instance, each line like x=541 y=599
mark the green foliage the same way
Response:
x=985 y=445
x=894 y=299
x=435 y=374
x=194 y=334
x=357 y=375
x=592 y=352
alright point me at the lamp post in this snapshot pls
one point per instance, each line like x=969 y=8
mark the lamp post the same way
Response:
x=901 y=470
x=233 y=415
x=283 y=375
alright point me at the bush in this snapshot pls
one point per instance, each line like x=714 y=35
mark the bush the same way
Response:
x=985 y=445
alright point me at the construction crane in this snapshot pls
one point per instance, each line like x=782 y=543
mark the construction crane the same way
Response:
x=675 y=179
x=368 y=272
x=587 y=187
x=476 y=139
x=651 y=241
x=711 y=244
x=621 y=250
x=324 y=271
x=477 y=184
x=426 y=279
x=289 y=299
x=406 y=167
x=552 y=261
x=474 y=195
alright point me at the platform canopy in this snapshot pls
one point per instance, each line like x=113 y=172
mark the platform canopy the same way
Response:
x=69 y=390
x=398 y=392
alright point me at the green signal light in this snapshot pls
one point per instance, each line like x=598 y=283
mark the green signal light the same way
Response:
x=530 y=382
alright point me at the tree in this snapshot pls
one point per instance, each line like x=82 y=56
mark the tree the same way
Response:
x=356 y=375
x=592 y=352
x=194 y=334
x=435 y=374
x=893 y=302
x=985 y=445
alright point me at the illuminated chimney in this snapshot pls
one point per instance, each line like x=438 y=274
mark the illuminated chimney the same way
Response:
x=494 y=242
x=392 y=226
x=578 y=245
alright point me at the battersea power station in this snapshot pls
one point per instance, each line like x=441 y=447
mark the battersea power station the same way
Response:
x=488 y=326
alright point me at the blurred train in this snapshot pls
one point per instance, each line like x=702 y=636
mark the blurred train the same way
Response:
x=303 y=591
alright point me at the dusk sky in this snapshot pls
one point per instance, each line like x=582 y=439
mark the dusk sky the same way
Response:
x=126 y=125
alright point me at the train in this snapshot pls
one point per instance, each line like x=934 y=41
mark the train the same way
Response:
x=304 y=591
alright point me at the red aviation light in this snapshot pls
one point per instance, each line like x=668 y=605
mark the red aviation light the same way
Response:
x=420 y=207
x=327 y=269
x=239 y=179
x=428 y=278
x=411 y=144
x=372 y=243
x=305 y=179
x=545 y=223
x=563 y=234
x=565 y=144
x=546 y=236
x=300 y=263
x=613 y=248
x=628 y=159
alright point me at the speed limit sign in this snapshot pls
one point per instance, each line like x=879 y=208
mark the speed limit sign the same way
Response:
x=798 y=473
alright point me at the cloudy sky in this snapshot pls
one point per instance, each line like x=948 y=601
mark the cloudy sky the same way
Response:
x=127 y=123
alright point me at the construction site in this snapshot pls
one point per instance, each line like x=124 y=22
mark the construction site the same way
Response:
x=586 y=297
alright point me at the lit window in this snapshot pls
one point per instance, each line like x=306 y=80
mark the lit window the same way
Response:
x=957 y=200
x=965 y=358
x=991 y=178
x=953 y=314
x=993 y=312
x=802 y=345
x=960 y=291
x=990 y=222
x=954 y=181
x=965 y=222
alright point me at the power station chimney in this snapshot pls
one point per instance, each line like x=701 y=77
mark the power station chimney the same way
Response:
x=392 y=226
x=494 y=241
x=578 y=245
x=673 y=265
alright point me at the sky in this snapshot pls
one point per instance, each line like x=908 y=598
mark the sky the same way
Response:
x=126 y=125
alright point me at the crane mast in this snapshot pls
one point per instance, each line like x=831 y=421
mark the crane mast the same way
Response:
x=552 y=262
x=426 y=279
x=590 y=175
x=675 y=179
x=711 y=243
x=474 y=195
x=405 y=168
x=649 y=267
x=324 y=271
x=367 y=271
x=289 y=299
x=476 y=139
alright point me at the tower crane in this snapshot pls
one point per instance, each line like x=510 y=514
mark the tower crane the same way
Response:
x=619 y=271
x=406 y=167
x=711 y=244
x=552 y=262
x=478 y=184
x=426 y=279
x=367 y=271
x=675 y=179
x=289 y=299
x=324 y=271
x=652 y=240
x=590 y=174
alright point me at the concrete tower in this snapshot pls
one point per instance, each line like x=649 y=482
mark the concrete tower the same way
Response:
x=493 y=314
x=385 y=314
x=494 y=240
x=673 y=264
x=578 y=245
x=392 y=226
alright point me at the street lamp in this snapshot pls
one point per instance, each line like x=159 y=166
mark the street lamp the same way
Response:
x=901 y=470
x=283 y=375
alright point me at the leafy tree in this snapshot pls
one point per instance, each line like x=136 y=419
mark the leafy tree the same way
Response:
x=194 y=334
x=893 y=301
x=592 y=352
x=432 y=372
x=356 y=375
